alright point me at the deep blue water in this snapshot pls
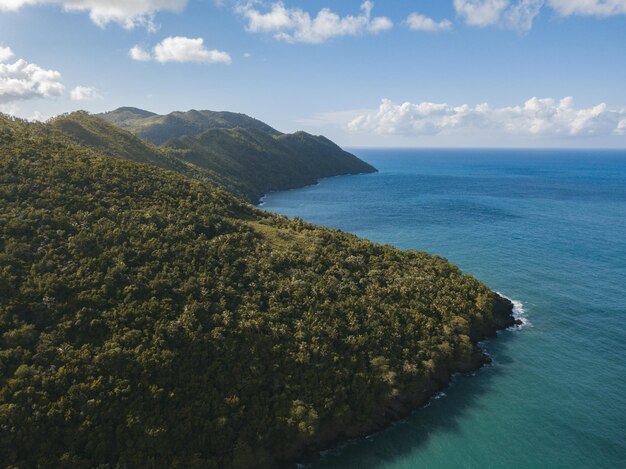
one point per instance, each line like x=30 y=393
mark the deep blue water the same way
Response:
x=547 y=228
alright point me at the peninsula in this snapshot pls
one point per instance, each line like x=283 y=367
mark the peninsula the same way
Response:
x=150 y=316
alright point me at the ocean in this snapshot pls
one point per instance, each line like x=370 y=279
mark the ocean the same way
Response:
x=547 y=229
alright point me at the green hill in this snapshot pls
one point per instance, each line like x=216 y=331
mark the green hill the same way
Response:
x=249 y=159
x=91 y=131
x=159 y=129
x=148 y=319
x=123 y=116
x=264 y=163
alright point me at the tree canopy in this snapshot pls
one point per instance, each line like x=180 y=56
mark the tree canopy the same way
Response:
x=148 y=319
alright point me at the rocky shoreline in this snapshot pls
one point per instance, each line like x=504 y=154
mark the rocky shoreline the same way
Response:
x=402 y=405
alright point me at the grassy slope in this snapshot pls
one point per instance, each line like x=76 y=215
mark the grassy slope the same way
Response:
x=149 y=319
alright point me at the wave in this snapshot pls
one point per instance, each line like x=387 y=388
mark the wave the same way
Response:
x=519 y=313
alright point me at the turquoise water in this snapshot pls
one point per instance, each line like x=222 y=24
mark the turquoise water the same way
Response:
x=546 y=228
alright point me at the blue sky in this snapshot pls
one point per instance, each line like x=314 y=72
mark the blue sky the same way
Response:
x=388 y=73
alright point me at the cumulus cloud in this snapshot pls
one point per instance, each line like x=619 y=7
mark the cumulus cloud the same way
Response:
x=418 y=22
x=180 y=49
x=521 y=15
x=517 y=15
x=84 y=93
x=296 y=25
x=128 y=13
x=137 y=53
x=5 y=54
x=536 y=117
x=22 y=80
x=589 y=7
x=480 y=12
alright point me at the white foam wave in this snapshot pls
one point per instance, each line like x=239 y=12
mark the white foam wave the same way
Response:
x=519 y=313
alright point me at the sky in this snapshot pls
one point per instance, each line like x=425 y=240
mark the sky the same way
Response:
x=386 y=73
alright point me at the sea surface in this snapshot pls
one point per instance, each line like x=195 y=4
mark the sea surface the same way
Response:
x=545 y=228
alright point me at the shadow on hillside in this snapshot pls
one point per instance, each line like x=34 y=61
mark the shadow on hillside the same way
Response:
x=440 y=416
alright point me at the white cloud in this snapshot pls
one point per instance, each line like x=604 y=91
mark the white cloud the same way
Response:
x=517 y=15
x=180 y=49
x=5 y=54
x=11 y=109
x=480 y=12
x=37 y=116
x=419 y=22
x=589 y=7
x=536 y=117
x=128 y=13
x=521 y=15
x=296 y=25
x=22 y=80
x=184 y=49
x=137 y=53
x=84 y=93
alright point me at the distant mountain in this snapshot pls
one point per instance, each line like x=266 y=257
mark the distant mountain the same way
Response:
x=94 y=132
x=263 y=163
x=159 y=129
x=240 y=153
x=124 y=115
x=110 y=140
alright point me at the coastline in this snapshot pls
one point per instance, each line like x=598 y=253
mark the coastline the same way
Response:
x=506 y=315
x=404 y=404
x=261 y=199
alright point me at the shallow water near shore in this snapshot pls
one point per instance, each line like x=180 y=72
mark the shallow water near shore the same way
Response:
x=545 y=228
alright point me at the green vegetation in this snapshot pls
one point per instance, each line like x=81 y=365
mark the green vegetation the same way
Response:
x=241 y=154
x=148 y=319
x=159 y=129
x=263 y=163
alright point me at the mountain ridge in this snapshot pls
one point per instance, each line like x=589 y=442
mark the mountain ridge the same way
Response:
x=158 y=129
x=238 y=152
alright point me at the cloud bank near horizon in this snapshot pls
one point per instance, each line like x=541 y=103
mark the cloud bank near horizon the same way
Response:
x=546 y=117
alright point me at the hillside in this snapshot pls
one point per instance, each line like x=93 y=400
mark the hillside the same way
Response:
x=264 y=163
x=239 y=153
x=159 y=129
x=91 y=131
x=148 y=319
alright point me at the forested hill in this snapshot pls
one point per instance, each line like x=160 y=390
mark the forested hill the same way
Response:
x=242 y=154
x=148 y=319
x=159 y=129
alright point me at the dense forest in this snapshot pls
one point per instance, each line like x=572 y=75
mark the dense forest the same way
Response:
x=158 y=129
x=152 y=319
x=242 y=154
